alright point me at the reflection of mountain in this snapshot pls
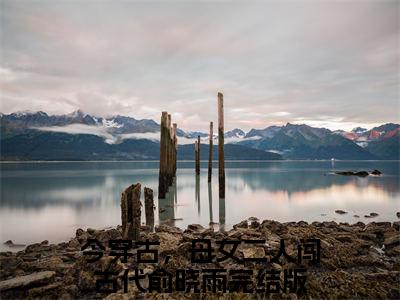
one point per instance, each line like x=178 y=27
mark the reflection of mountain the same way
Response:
x=77 y=189
x=86 y=186
x=297 y=181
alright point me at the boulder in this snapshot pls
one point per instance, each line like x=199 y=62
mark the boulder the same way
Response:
x=351 y=173
x=376 y=172
x=243 y=224
x=31 y=280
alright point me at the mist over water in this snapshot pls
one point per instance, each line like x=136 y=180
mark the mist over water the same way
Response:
x=49 y=201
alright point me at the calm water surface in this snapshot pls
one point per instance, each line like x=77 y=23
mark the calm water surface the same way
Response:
x=51 y=200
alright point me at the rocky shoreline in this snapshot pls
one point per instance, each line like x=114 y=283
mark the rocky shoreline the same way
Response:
x=358 y=261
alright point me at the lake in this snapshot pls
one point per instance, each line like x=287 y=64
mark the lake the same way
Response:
x=50 y=200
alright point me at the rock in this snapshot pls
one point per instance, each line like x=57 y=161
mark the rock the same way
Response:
x=372 y=215
x=195 y=227
x=340 y=212
x=86 y=281
x=351 y=173
x=9 y=243
x=253 y=252
x=396 y=225
x=44 y=290
x=79 y=232
x=166 y=228
x=376 y=172
x=398 y=214
x=243 y=224
x=90 y=231
x=344 y=238
x=392 y=241
x=356 y=216
x=23 y=282
x=254 y=224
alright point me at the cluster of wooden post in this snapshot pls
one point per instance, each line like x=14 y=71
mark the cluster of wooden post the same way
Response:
x=168 y=153
x=131 y=211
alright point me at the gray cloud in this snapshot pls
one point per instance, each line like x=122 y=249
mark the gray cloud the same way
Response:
x=325 y=63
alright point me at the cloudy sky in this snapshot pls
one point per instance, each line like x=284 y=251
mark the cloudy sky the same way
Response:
x=325 y=63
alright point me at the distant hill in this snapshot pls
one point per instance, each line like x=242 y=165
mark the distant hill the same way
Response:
x=385 y=149
x=37 y=145
x=231 y=151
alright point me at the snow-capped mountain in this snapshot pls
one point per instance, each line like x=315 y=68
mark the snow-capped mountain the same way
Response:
x=235 y=133
x=291 y=140
x=363 y=136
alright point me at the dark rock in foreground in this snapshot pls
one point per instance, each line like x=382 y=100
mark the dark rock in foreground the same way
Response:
x=359 y=261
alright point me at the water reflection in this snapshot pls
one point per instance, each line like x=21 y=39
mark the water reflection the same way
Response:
x=166 y=206
x=54 y=199
x=222 y=214
x=197 y=196
x=210 y=203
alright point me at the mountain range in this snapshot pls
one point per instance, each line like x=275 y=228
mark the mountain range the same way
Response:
x=80 y=136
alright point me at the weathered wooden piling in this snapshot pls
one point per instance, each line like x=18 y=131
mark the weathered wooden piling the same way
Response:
x=168 y=154
x=149 y=206
x=221 y=158
x=197 y=155
x=210 y=153
x=210 y=202
x=162 y=177
x=175 y=149
x=131 y=212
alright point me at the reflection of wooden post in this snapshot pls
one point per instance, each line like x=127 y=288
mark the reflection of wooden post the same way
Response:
x=210 y=153
x=221 y=163
x=149 y=206
x=131 y=212
x=197 y=155
x=162 y=178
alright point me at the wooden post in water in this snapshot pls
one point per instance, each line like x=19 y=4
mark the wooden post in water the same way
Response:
x=175 y=149
x=149 y=206
x=197 y=155
x=169 y=153
x=162 y=177
x=221 y=158
x=131 y=212
x=210 y=153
